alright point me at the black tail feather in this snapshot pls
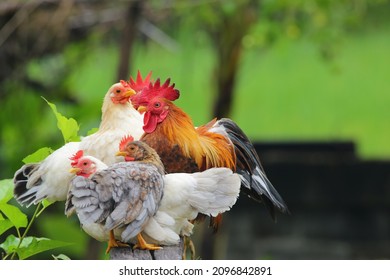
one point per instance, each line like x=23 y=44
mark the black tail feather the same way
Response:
x=253 y=178
x=22 y=194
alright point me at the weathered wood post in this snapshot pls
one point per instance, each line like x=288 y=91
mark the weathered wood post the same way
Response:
x=167 y=253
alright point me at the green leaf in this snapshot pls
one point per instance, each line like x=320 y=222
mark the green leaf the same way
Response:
x=46 y=203
x=10 y=244
x=68 y=126
x=6 y=190
x=13 y=213
x=39 y=245
x=30 y=245
x=92 y=131
x=61 y=257
x=38 y=156
x=5 y=224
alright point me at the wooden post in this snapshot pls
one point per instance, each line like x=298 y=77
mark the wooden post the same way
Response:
x=166 y=253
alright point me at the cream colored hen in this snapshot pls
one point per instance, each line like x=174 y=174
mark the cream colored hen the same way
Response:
x=50 y=178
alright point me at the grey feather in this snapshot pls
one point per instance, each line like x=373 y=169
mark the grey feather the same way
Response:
x=124 y=195
x=90 y=215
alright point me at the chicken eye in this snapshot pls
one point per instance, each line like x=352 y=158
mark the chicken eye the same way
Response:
x=118 y=91
x=157 y=105
x=85 y=163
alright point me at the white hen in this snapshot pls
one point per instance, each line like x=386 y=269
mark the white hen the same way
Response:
x=211 y=192
x=50 y=178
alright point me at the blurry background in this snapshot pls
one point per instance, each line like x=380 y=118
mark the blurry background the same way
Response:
x=308 y=81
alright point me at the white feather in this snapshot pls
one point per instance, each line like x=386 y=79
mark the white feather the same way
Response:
x=210 y=192
x=54 y=174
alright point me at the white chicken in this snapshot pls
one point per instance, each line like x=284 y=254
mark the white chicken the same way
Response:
x=50 y=178
x=211 y=192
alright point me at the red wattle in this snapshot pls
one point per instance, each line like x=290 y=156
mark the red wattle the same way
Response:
x=129 y=158
x=150 y=122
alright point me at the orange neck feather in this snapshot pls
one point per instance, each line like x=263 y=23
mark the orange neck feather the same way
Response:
x=178 y=128
x=208 y=149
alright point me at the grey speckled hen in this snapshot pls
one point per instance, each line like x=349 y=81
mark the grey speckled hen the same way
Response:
x=122 y=197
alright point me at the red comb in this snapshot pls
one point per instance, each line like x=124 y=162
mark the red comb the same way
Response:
x=139 y=84
x=165 y=90
x=125 y=140
x=75 y=158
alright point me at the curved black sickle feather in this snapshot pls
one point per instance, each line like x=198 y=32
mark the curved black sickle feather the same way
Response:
x=253 y=178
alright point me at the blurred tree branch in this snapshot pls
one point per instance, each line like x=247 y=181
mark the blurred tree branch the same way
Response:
x=227 y=38
x=129 y=35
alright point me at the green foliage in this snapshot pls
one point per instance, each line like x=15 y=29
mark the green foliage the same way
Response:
x=29 y=246
x=92 y=130
x=68 y=126
x=12 y=217
x=15 y=216
x=6 y=190
x=61 y=257
x=5 y=224
x=38 y=156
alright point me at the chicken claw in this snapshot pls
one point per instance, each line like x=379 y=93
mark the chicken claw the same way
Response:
x=113 y=243
x=143 y=245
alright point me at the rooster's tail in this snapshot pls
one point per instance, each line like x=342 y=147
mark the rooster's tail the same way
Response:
x=253 y=179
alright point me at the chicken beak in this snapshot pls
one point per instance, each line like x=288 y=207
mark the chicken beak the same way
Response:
x=142 y=109
x=120 y=153
x=74 y=170
x=129 y=93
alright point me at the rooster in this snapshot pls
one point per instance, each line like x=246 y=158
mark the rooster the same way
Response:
x=50 y=178
x=185 y=148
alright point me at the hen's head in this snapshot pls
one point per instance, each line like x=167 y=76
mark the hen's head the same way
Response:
x=126 y=140
x=138 y=84
x=135 y=151
x=139 y=151
x=165 y=90
x=85 y=165
x=120 y=93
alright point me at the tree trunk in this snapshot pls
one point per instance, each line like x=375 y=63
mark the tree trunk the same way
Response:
x=227 y=68
x=227 y=39
x=128 y=38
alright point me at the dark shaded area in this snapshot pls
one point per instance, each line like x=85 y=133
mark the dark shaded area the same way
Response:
x=340 y=206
